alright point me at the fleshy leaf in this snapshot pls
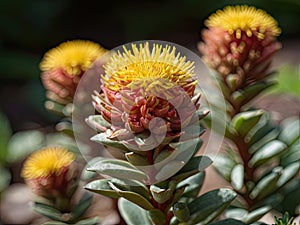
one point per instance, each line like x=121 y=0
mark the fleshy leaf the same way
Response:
x=256 y=214
x=266 y=185
x=224 y=166
x=118 y=168
x=193 y=166
x=245 y=121
x=84 y=203
x=157 y=216
x=267 y=152
x=89 y=221
x=237 y=177
x=24 y=143
x=290 y=130
x=193 y=185
x=102 y=187
x=251 y=91
x=132 y=213
x=228 y=222
x=47 y=211
x=133 y=197
x=208 y=206
x=102 y=139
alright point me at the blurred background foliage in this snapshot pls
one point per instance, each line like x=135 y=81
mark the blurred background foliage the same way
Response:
x=28 y=28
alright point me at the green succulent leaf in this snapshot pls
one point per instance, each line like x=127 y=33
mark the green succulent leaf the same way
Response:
x=102 y=187
x=266 y=185
x=169 y=169
x=193 y=185
x=194 y=165
x=237 y=177
x=262 y=128
x=102 y=139
x=217 y=120
x=247 y=217
x=224 y=165
x=290 y=130
x=267 y=152
x=54 y=223
x=292 y=155
x=228 y=222
x=24 y=143
x=241 y=97
x=117 y=168
x=290 y=203
x=256 y=214
x=161 y=195
x=157 y=216
x=132 y=213
x=133 y=197
x=181 y=211
x=245 y=121
x=90 y=221
x=208 y=206
x=47 y=211
x=185 y=148
x=288 y=173
x=83 y=205
x=97 y=122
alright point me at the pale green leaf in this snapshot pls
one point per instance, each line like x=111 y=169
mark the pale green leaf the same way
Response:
x=132 y=213
x=118 y=168
x=267 y=152
x=237 y=177
x=208 y=206
x=24 y=143
x=245 y=121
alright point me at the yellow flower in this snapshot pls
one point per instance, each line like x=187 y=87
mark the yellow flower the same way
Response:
x=46 y=162
x=141 y=63
x=240 y=40
x=236 y=19
x=50 y=172
x=62 y=68
x=74 y=57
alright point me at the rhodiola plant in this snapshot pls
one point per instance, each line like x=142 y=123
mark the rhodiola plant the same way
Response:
x=239 y=45
x=149 y=113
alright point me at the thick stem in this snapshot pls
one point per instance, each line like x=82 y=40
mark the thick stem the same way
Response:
x=169 y=217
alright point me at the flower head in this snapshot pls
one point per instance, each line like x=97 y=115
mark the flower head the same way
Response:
x=144 y=63
x=248 y=19
x=63 y=66
x=49 y=172
x=145 y=83
x=240 y=40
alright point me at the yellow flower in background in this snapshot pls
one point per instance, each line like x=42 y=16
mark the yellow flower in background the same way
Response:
x=241 y=41
x=49 y=172
x=73 y=57
x=46 y=162
x=248 y=19
x=63 y=66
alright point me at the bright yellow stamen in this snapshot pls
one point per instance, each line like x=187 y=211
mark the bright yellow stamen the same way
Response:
x=244 y=18
x=74 y=57
x=143 y=63
x=47 y=161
